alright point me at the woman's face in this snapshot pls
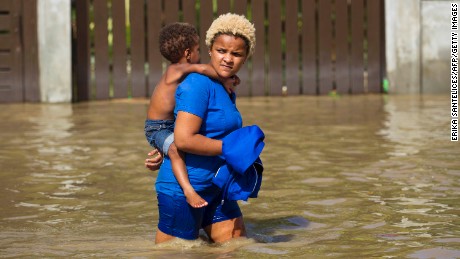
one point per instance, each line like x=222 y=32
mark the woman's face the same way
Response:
x=228 y=54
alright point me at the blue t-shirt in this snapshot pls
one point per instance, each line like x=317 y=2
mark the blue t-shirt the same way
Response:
x=207 y=99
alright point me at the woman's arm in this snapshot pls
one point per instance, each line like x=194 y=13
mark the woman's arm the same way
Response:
x=188 y=139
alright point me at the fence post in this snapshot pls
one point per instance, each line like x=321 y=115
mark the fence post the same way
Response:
x=138 y=78
x=342 y=54
x=119 y=73
x=325 y=46
x=292 y=48
x=374 y=36
x=206 y=18
x=30 y=51
x=309 y=68
x=101 y=49
x=82 y=50
x=154 y=56
x=274 y=47
x=258 y=60
x=357 y=46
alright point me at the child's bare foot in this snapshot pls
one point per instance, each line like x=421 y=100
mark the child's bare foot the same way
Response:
x=195 y=200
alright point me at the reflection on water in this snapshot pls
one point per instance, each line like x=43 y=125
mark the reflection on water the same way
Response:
x=356 y=176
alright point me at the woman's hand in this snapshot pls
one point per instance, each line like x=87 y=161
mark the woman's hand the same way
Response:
x=154 y=161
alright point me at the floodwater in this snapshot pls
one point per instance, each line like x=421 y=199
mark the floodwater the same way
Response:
x=345 y=177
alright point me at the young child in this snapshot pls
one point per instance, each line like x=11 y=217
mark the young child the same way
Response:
x=179 y=44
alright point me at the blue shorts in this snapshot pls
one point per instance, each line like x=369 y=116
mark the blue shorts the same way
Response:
x=159 y=134
x=179 y=219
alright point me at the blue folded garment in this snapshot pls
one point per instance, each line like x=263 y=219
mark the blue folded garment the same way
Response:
x=238 y=186
x=242 y=147
x=240 y=177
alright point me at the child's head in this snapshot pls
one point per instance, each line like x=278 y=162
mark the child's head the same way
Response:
x=178 y=40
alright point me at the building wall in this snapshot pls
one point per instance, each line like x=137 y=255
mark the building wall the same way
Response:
x=435 y=46
x=418 y=45
x=54 y=50
x=402 y=32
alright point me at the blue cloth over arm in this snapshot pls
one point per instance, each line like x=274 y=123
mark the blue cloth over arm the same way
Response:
x=241 y=176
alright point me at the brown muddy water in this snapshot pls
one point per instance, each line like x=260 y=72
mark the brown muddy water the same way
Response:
x=345 y=177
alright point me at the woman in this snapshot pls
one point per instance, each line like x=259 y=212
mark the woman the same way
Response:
x=206 y=113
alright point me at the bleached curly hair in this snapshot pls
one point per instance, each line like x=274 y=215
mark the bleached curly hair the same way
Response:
x=232 y=24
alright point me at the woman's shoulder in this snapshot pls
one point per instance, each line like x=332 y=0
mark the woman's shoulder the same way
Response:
x=196 y=77
x=195 y=81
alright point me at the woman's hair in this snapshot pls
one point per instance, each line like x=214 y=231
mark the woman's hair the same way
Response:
x=232 y=24
x=175 y=38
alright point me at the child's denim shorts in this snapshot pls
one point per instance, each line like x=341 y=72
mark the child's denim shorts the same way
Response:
x=160 y=134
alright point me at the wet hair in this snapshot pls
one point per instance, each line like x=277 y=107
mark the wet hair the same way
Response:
x=232 y=24
x=175 y=38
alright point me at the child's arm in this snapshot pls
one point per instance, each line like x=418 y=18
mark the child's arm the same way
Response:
x=175 y=72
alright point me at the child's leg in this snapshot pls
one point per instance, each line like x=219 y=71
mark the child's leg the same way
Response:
x=180 y=172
